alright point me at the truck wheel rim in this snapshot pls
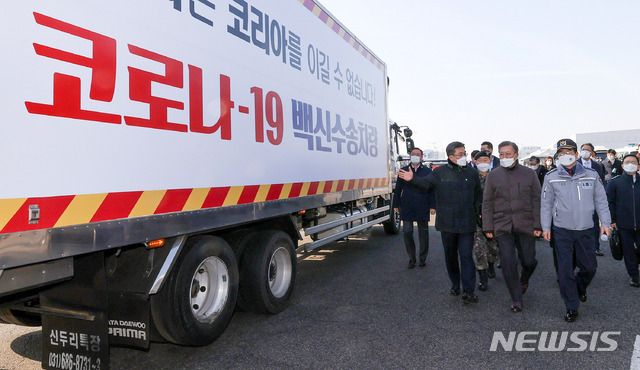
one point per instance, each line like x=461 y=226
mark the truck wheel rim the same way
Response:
x=209 y=289
x=280 y=271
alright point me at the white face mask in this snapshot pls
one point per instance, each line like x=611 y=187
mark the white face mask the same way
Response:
x=415 y=159
x=611 y=158
x=535 y=167
x=630 y=168
x=585 y=154
x=462 y=161
x=566 y=160
x=483 y=167
x=507 y=162
x=549 y=163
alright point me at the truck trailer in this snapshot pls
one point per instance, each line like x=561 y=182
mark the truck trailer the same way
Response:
x=164 y=160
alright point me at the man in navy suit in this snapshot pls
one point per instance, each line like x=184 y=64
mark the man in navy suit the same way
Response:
x=587 y=160
x=414 y=205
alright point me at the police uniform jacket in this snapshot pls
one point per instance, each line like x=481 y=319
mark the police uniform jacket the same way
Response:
x=458 y=196
x=624 y=201
x=413 y=202
x=571 y=200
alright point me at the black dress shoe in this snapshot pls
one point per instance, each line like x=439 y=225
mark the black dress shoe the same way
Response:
x=483 y=285
x=412 y=264
x=422 y=264
x=582 y=296
x=454 y=291
x=571 y=315
x=524 y=284
x=491 y=271
x=469 y=298
x=599 y=253
x=635 y=282
x=516 y=307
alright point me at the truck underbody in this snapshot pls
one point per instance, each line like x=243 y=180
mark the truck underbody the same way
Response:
x=176 y=277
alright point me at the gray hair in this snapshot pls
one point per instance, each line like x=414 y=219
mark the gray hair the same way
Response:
x=451 y=148
x=509 y=143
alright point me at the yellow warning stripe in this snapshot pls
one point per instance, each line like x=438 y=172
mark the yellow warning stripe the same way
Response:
x=196 y=199
x=148 y=202
x=305 y=189
x=8 y=209
x=263 y=191
x=286 y=189
x=233 y=196
x=81 y=209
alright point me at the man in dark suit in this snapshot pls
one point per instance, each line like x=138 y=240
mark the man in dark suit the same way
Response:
x=612 y=166
x=587 y=155
x=414 y=205
x=587 y=160
x=458 y=198
x=541 y=171
x=495 y=162
x=623 y=194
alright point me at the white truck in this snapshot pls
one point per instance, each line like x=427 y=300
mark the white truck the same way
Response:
x=162 y=160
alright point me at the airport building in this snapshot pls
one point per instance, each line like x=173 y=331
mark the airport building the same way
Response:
x=622 y=140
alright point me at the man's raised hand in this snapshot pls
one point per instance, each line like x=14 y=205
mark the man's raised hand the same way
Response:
x=405 y=175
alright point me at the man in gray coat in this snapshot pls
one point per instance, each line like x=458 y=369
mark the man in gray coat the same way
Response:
x=570 y=195
x=511 y=214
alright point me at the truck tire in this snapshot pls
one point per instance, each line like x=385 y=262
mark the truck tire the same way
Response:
x=19 y=318
x=267 y=272
x=196 y=303
x=392 y=225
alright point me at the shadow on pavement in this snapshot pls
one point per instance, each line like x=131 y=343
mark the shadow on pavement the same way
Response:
x=29 y=345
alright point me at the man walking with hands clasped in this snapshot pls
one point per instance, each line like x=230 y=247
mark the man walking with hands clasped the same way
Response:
x=511 y=214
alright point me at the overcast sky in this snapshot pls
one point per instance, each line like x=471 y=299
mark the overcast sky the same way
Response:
x=527 y=71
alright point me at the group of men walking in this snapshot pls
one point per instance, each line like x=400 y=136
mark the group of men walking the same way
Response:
x=503 y=203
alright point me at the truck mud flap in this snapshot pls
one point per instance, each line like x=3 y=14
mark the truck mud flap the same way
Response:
x=129 y=316
x=75 y=318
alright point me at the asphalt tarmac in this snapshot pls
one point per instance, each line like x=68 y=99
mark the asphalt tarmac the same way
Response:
x=357 y=306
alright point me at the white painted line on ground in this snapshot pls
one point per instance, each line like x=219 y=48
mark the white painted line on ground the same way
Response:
x=635 y=358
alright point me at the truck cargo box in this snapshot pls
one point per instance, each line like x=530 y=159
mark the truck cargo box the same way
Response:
x=126 y=110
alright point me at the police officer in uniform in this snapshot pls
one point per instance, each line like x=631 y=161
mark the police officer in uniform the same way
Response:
x=570 y=194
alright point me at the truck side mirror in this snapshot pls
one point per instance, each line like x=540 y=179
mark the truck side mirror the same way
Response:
x=410 y=145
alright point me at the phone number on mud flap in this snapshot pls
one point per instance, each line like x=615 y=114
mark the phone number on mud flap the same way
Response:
x=68 y=361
